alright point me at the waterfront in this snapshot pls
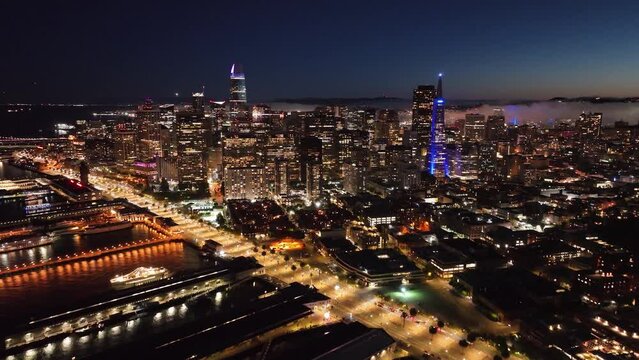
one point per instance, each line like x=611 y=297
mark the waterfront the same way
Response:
x=40 y=292
x=69 y=244
x=176 y=321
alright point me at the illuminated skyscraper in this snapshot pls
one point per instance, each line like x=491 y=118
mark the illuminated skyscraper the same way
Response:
x=423 y=98
x=437 y=160
x=148 y=129
x=238 y=109
x=124 y=143
x=475 y=127
x=191 y=148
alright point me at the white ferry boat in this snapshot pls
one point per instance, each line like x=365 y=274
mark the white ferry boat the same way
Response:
x=107 y=227
x=139 y=276
x=66 y=231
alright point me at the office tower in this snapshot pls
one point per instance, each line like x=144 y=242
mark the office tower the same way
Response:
x=99 y=151
x=382 y=125
x=311 y=165
x=197 y=101
x=241 y=152
x=488 y=168
x=354 y=177
x=322 y=126
x=167 y=142
x=409 y=176
x=84 y=173
x=496 y=126
x=474 y=127
x=124 y=143
x=241 y=149
x=369 y=116
x=437 y=161
x=352 y=146
x=244 y=183
x=281 y=163
x=423 y=98
x=463 y=160
x=589 y=126
x=147 y=117
x=191 y=149
x=239 y=116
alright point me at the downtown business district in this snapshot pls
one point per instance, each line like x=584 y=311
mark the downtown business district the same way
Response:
x=367 y=207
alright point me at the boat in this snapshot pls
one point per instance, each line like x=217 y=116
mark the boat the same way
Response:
x=28 y=243
x=139 y=276
x=66 y=231
x=107 y=227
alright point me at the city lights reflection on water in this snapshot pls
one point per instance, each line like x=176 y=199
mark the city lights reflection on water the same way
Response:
x=21 y=295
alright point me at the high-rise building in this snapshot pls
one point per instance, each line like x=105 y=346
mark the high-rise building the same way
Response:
x=488 y=168
x=147 y=117
x=198 y=101
x=244 y=183
x=351 y=147
x=437 y=159
x=311 y=165
x=322 y=126
x=475 y=127
x=124 y=143
x=496 y=126
x=281 y=163
x=239 y=116
x=423 y=98
x=589 y=126
x=99 y=151
x=191 y=149
x=354 y=177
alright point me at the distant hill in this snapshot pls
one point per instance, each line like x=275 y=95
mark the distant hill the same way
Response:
x=596 y=99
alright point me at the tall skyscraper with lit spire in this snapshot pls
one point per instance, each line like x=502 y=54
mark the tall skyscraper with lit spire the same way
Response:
x=437 y=159
x=238 y=108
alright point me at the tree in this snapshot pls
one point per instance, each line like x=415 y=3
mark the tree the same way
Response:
x=164 y=185
x=272 y=251
x=472 y=337
x=287 y=258
x=463 y=343
x=505 y=354
x=496 y=357
x=404 y=316
x=264 y=247
x=221 y=220
x=263 y=253
x=255 y=249
x=412 y=312
x=440 y=324
x=432 y=330
x=293 y=267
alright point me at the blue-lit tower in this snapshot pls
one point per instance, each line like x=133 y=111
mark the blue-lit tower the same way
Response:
x=437 y=159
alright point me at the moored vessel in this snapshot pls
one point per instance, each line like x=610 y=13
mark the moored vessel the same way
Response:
x=107 y=227
x=139 y=276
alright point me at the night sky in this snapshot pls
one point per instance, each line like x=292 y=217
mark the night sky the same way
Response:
x=496 y=49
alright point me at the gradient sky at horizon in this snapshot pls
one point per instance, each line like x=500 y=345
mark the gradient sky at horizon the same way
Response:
x=491 y=49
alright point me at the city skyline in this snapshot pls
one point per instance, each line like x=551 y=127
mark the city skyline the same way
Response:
x=290 y=50
x=289 y=180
